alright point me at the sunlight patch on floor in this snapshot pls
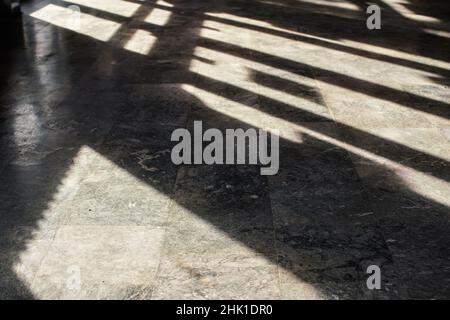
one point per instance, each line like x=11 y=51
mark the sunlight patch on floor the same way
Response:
x=356 y=58
x=428 y=186
x=164 y=3
x=119 y=7
x=140 y=42
x=91 y=26
x=401 y=7
x=355 y=71
x=81 y=250
x=253 y=78
x=159 y=17
x=111 y=258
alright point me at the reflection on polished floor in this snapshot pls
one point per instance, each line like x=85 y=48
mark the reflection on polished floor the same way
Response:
x=93 y=207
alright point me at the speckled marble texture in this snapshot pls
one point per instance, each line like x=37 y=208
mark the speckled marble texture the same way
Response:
x=91 y=206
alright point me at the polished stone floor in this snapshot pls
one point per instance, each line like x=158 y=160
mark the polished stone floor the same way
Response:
x=91 y=205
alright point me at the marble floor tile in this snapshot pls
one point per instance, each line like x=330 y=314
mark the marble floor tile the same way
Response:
x=100 y=262
x=181 y=281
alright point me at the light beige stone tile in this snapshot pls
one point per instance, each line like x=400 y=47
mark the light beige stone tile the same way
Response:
x=99 y=262
x=182 y=281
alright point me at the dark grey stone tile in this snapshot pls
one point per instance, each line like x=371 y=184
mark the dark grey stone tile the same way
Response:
x=335 y=253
